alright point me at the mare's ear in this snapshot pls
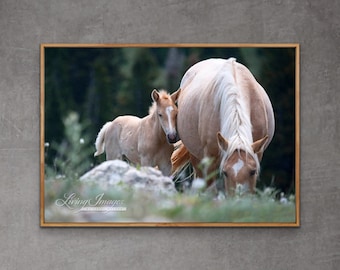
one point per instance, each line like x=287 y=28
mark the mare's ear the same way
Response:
x=222 y=142
x=258 y=145
x=155 y=95
x=175 y=95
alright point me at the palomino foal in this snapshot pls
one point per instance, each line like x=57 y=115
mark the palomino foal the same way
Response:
x=146 y=141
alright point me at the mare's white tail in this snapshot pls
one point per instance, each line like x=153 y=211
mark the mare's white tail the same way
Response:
x=100 y=141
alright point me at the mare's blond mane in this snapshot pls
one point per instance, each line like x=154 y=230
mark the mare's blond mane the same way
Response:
x=236 y=127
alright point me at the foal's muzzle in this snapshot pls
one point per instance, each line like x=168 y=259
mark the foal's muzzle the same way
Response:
x=172 y=137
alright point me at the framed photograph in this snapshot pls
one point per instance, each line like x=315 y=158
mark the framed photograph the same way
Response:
x=170 y=135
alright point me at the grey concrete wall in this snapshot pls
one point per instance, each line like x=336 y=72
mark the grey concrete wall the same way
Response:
x=24 y=24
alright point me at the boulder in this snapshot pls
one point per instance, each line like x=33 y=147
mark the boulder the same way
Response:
x=119 y=174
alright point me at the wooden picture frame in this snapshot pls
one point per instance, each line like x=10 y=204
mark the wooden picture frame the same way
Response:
x=85 y=85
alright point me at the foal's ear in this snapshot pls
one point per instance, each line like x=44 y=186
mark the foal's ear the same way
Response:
x=175 y=95
x=222 y=142
x=155 y=95
x=258 y=145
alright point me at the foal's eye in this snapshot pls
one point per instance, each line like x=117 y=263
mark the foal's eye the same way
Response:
x=225 y=174
x=252 y=172
x=160 y=115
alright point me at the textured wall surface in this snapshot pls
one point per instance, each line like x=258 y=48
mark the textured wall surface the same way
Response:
x=24 y=24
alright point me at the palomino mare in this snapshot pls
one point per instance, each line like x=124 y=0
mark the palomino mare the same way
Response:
x=224 y=114
x=146 y=141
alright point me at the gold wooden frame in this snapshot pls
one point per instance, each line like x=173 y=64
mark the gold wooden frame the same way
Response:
x=43 y=223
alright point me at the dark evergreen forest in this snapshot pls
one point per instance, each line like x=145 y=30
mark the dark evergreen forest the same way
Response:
x=99 y=84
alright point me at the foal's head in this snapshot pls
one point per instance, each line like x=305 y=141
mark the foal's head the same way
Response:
x=240 y=168
x=166 y=110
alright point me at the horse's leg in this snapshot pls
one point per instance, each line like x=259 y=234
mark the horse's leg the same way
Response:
x=209 y=174
x=213 y=172
x=113 y=150
x=196 y=164
x=146 y=161
x=112 y=154
x=165 y=167
x=112 y=146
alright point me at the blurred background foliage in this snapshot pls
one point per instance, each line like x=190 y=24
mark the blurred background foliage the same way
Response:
x=91 y=86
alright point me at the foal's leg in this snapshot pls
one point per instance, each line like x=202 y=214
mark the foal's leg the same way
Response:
x=113 y=150
x=165 y=167
x=146 y=160
x=111 y=155
x=163 y=159
x=112 y=146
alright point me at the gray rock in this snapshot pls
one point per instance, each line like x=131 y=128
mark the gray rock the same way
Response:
x=118 y=173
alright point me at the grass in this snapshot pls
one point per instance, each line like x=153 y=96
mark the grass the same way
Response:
x=64 y=190
x=143 y=206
